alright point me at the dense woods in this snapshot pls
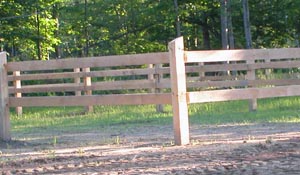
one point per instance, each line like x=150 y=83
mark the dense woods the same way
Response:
x=53 y=29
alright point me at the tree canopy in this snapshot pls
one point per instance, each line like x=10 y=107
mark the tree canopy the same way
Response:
x=53 y=29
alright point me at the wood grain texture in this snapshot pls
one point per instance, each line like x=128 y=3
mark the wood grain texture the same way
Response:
x=4 y=100
x=241 y=55
x=104 y=61
x=179 y=100
x=242 y=94
x=115 y=99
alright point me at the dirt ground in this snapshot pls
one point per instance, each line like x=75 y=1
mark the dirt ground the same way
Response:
x=223 y=149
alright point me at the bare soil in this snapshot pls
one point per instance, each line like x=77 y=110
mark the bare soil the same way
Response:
x=220 y=149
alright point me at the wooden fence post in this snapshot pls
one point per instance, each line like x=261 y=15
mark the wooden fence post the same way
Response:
x=268 y=71
x=179 y=99
x=156 y=77
x=88 y=82
x=201 y=73
x=17 y=85
x=251 y=76
x=4 y=108
x=77 y=81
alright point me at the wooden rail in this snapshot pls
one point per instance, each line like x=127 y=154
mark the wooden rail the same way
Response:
x=177 y=77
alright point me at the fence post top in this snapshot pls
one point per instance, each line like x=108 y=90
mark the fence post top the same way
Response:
x=177 y=39
x=3 y=54
x=3 y=58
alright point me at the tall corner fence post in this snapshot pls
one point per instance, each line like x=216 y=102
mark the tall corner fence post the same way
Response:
x=4 y=106
x=179 y=98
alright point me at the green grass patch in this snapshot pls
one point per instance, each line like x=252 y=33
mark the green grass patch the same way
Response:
x=275 y=110
x=73 y=118
x=70 y=119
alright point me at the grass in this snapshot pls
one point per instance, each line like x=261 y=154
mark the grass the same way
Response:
x=70 y=119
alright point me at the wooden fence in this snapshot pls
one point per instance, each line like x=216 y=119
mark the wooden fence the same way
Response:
x=176 y=77
x=109 y=80
x=243 y=75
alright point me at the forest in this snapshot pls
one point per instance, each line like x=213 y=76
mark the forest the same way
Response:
x=54 y=29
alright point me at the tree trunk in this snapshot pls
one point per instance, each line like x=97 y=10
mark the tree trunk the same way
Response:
x=224 y=24
x=178 y=30
x=205 y=34
x=86 y=48
x=247 y=24
x=38 y=41
x=230 y=28
x=56 y=17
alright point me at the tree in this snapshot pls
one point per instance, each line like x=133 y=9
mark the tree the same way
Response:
x=36 y=29
x=200 y=20
x=224 y=24
x=27 y=28
x=247 y=24
x=178 y=28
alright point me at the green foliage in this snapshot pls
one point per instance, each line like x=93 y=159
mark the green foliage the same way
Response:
x=275 y=23
x=36 y=29
x=27 y=28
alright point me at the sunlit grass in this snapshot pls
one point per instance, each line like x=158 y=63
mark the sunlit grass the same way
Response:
x=70 y=119
x=269 y=111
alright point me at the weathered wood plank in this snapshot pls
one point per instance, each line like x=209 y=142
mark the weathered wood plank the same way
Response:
x=243 y=66
x=87 y=81
x=116 y=99
x=77 y=80
x=4 y=106
x=179 y=100
x=242 y=94
x=17 y=85
x=71 y=87
x=243 y=83
x=217 y=78
x=240 y=55
x=104 y=61
x=66 y=87
x=251 y=76
x=158 y=77
x=103 y=73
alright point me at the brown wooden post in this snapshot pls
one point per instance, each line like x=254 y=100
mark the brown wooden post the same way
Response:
x=77 y=81
x=88 y=82
x=179 y=99
x=201 y=73
x=251 y=76
x=4 y=108
x=17 y=85
x=158 y=77
x=268 y=71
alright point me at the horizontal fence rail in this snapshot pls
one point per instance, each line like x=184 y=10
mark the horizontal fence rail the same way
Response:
x=104 y=61
x=241 y=55
x=120 y=99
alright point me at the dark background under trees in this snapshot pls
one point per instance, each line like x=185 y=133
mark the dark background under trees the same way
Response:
x=54 y=29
